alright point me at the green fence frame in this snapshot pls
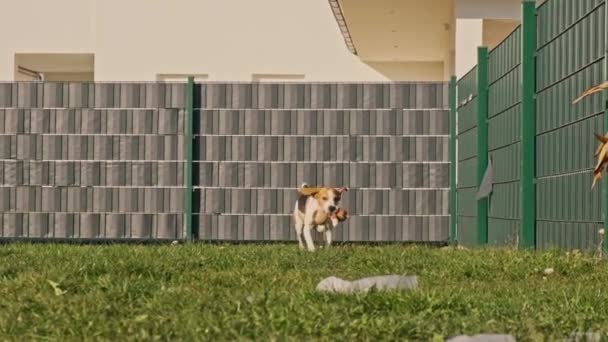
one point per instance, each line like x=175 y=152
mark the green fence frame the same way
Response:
x=528 y=125
x=188 y=146
x=555 y=66
x=554 y=157
x=465 y=138
x=482 y=141
x=453 y=161
x=605 y=100
x=504 y=139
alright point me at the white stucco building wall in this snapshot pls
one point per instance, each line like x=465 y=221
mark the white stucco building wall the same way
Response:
x=243 y=40
x=236 y=40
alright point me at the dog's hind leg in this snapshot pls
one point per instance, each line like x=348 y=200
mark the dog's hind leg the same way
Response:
x=299 y=231
x=308 y=237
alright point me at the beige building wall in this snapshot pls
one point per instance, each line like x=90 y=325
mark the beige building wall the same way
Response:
x=482 y=23
x=469 y=36
x=477 y=25
x=226 y=40
x=496 y=30
x=244 y=40
x=229 y=40
x=419 y=71
x=403 y=39
x=35 y=26
x=488 y=9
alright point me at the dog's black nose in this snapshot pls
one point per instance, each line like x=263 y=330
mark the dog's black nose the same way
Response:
x=332 y=208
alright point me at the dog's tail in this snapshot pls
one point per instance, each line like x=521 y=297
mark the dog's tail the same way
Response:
x=304 y=185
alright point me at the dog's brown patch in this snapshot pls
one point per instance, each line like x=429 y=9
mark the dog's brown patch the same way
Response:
x=307 y=191
x=320 y=217
x=322 y=195
x=302 y=202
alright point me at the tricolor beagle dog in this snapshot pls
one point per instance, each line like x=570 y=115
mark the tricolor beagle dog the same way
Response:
x=317 y=208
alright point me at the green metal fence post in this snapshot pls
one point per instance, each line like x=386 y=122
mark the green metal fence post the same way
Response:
x=482 y=140
x=453 y=161
x=188 y=142
x=605 y=185
x=528 y=126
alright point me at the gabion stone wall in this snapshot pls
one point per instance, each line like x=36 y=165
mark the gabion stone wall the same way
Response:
x=255 y=143
x=106 y=160
x=91 y=161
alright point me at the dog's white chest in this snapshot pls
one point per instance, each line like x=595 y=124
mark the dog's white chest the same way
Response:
x=321 y=228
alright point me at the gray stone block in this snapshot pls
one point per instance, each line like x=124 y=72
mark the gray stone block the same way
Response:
x=177 y=95
x=76 y=200
x=214 y=201
x=14 y=121
x=168 y=120
x=143 y=121
x=13 y=172
x=27 y=95
x=105 y=95
x=90 y=226
x=53 y=95
x=166 y=226
x=241 y=96
x=294 y=96
x=116 y=173
x=38 y=225
x=167 y=174
x=142 y=173
x=65 y=121
x=142 y=226
x=115 y=226
x=227 y=228
x=90 y=173
x=64 y=225
x=6 y=94
x=79 y=94
x=116 y=121
x=39 y=121
x=130 y=95
x=154 y=95
x=51 y=199
x=5 y=199
x=228 y=175
x=13 y=225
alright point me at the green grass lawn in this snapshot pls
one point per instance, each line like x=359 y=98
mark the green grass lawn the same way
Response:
x=260 y=292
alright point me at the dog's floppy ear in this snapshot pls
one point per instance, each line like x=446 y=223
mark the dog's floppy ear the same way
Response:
x=306 y=191
x=341 y=190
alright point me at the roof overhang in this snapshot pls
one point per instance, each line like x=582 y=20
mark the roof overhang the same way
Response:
x=396 y=30
x=339 y=15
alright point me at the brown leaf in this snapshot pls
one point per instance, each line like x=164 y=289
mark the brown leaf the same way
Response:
x=590 y=91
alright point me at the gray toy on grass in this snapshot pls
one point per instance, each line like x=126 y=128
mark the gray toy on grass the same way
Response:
x=390 y=282
x=483 y=338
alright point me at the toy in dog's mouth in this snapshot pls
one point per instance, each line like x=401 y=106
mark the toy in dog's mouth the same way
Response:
x=340 y=215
